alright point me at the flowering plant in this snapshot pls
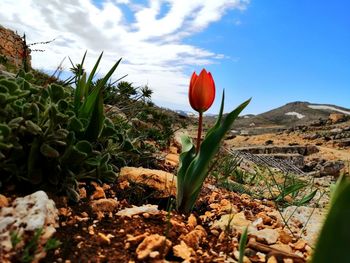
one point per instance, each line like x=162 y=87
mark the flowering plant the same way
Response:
x=194 y=161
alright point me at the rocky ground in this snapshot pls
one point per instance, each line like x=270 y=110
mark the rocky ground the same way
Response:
x=133 y=220
x=106 y=227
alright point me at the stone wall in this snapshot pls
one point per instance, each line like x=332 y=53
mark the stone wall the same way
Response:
x=13 y=49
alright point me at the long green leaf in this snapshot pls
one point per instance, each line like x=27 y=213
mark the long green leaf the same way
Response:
x=79 y=92
x=92 y=74
x=79 y=84
x=186 y=157
x=87 y=108
x=88 y=105
x=333 y=242
x=95 y=125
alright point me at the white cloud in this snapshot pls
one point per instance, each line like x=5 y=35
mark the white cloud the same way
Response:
x=151 y=45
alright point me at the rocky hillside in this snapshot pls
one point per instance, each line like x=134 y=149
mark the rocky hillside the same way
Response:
x=291 y=115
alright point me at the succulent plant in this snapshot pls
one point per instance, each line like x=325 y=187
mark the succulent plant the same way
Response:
x=44 y=139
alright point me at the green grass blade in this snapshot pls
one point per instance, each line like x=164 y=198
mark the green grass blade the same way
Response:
x=290 y=190
x=242 y=244
x=307 y=198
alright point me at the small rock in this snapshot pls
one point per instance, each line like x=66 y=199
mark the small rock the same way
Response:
x=91 y=230
x=214 y=232
x=151 y=244
x=172 y=159
x=270 y=236
x=99 y=192
x=136 y=210
x=308 y=217
x=82 y=192
x=177 y=225
x=105 y=238
x=163 y=182
x=282 y=247
x=284 y=237
x=272 y=260
x=173 y=149
x=183 y=251
x=300 y=244
x=104 y=205
x=146 y=215
x=192 y=221
x=3 y=201
x=267 y=220
x=245 y=258
x=28 y=214
x=136 y=239
x=232 y=221
x=261 y=257
x=64 y=211
x=194 y=238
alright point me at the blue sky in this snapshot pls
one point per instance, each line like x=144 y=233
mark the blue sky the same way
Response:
x=291 y=50
x=274 y=51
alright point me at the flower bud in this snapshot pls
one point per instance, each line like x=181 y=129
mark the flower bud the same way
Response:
x=202 y=91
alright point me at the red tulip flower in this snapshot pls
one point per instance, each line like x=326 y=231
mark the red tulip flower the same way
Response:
x=201 y=95
x=202 y=91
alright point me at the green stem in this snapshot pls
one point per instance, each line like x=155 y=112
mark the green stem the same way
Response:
x=199 y=134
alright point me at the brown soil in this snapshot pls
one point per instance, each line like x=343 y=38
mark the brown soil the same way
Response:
x=80 y=227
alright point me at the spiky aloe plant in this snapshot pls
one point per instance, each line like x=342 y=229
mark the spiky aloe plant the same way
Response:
x=88 y=99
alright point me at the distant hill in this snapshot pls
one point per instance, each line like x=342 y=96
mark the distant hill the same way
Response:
x=289 y=115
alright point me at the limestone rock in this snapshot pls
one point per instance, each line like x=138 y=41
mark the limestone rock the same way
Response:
x=192 y=221
x=172 y=159
x=27 y=214
x=194 y=238
x=232 y=221
x=283 y=247
x=153 y=246
x=308 y=217
x=136 y=210
x=269 y=236
x=173 y=149
x=245 y=258
x=163 y=182
x=183 y=251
